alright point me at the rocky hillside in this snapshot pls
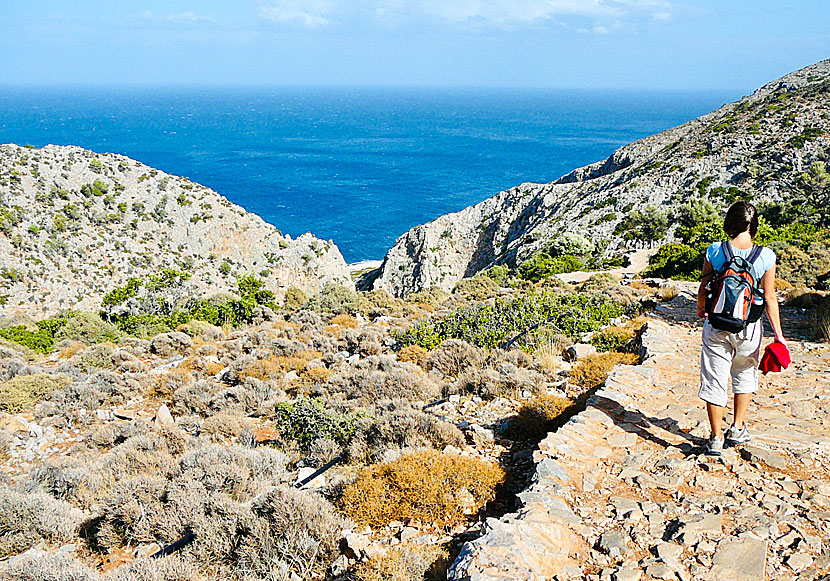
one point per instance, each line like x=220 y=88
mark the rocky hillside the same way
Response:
x=74 y=224
x=759 y=146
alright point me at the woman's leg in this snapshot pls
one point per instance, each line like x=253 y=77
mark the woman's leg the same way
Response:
x=741 y=405
x=715 y=413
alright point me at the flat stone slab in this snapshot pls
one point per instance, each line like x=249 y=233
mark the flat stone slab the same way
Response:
x=768 y=457
x=739 y=560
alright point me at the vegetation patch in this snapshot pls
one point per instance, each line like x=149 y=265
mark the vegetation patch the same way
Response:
x=22 y=392
x=442 y=489
x=406 y=562
x=593 y=370
x=538 y=417
x=493 y=325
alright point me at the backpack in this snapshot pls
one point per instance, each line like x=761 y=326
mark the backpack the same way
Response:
x=733 y=296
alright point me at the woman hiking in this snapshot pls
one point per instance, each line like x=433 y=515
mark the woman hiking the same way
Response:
x=731 y=338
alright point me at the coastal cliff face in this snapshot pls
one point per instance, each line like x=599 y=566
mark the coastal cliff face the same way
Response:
x=759 y=145
x=74 y=224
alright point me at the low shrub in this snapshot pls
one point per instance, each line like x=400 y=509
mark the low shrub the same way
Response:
x=593 y=370
x=436 y=488
x=543 y=265
x=406 y=562
x=336 y=299
x=677 y=261
x=87 y=328
x=620 y=338
x=433 y=297
x=398 y=427
x=598 y=282
x=22 y=392
x=29 y=518
x=39 y=340
x=452 y=357
x=477 y=288
x=307 y=419
x=378 y=378
x=493 y=325
x=51 y=567
x=294 y=299
x=549 y=355
x=537 y=417
x=413 y=354
x=226 y=425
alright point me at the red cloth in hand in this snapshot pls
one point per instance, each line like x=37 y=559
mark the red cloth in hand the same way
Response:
x=776 y=357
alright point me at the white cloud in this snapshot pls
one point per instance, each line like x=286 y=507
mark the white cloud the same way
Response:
x=603 y=15
x=179 y=17
x=308 y=13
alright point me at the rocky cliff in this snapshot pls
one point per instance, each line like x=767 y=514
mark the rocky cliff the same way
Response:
x=74 y=224
x=757 y=146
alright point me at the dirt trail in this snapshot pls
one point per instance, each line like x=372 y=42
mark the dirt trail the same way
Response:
x=639 y=261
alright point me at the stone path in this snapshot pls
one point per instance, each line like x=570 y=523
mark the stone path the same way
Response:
x=622 y=491
x=639 y=262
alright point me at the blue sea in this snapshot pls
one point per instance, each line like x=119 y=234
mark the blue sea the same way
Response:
x=358 y=166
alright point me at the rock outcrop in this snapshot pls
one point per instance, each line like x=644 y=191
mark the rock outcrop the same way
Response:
x=74 y=224
x=759 y=145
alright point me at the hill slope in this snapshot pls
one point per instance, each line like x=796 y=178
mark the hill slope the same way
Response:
x=757 y=147
x=74 y=224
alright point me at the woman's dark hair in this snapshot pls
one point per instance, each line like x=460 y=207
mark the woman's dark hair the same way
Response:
x=740 y=217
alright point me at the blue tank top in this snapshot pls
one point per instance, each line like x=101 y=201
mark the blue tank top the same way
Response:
x=717 y=258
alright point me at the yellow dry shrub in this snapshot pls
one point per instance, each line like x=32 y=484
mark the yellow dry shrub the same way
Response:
x=428 y=486
x=71 y=350
x=202 y=365
x=783 y=286
x=406 y=562
x=315 y=376
x=308 y=354
x=536 y=417
x=21 y=393
x=273 y=366
x=345 y=321
x=413 y=354
x=592 y=371
x=164 y=384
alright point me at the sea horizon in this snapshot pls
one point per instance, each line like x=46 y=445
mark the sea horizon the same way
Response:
x=357 y=165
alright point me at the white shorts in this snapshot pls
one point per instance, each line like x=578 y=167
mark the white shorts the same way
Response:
x=725 y=355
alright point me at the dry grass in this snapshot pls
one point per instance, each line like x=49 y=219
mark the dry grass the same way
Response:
x=453 y=356
x=549 y=355
x=226 y=425
x=24 y=391
x=413 y=354
x=639 y=284
x=344 y=321
x=406 y=562
x=535 y=418
x=667 y=293
x=201 y=365
x=592 y=371
x=431 y=487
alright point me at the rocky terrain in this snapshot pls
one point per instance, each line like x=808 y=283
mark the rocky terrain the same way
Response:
x=74 y=224
x=622 y=491
x=757 y=147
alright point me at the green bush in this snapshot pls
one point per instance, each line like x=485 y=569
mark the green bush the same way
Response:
x=499 y=273
x=336 y=299
x=87 y=328
x=307 y=419
x=144 y=307
x=699 y=223
x=42 y=340
x=677 y=261
x=648 y=224
x=493 y=325
x=294 y=299
x=543 y=265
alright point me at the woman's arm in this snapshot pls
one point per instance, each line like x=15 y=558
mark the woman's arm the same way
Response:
x=771 y=300
x=707 y=273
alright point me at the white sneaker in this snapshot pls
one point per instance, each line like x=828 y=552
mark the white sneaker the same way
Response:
x=735 y=437
x=713 y=447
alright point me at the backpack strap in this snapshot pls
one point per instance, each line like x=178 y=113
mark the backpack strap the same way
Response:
x=727 y=250
x=756 y=252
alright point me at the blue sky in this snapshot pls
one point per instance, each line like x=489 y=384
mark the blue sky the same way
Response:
x=534 y=43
